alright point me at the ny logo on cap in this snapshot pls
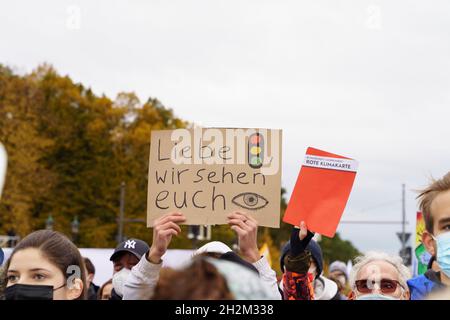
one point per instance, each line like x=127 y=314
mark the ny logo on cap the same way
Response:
x=130 y=244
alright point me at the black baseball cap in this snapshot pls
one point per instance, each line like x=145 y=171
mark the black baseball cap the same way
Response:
x=134 y=246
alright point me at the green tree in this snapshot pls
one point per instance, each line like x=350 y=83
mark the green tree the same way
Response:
x=27 y=178
x=337 y=248
x=69 y=152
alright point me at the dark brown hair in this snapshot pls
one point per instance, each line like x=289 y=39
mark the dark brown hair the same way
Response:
x=427 y=195
x=89 y=265
x=199 y=281
x=58 y=249
x=100 y=291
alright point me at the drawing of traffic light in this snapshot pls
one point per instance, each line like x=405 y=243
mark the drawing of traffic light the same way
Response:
x=256 y=150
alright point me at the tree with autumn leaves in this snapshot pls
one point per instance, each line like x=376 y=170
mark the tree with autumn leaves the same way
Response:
x=69 y=151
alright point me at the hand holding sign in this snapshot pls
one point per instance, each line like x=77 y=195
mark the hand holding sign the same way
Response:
x=300 y=238
x=163 y=229
x=303 y=231
x=246 y=228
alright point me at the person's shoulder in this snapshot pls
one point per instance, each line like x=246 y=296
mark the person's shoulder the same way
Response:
x=418 y=280
x=422 y=285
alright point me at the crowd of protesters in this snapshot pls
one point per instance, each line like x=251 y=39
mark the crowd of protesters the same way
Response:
x=47 y=265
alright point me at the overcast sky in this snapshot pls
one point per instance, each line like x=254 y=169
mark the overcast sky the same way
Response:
x=365 y=79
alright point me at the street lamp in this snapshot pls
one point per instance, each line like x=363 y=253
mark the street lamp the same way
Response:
x=75 y=228
x=49 y=222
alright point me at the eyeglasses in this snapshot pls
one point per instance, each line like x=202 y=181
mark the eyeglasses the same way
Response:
x=386 y=285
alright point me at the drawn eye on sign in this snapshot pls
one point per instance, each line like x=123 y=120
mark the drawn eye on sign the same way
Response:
x=250 y=201
x=255 y=150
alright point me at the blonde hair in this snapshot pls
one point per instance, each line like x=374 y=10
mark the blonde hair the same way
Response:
x=427 y=195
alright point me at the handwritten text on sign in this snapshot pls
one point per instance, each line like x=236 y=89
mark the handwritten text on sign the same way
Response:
x=208 y=173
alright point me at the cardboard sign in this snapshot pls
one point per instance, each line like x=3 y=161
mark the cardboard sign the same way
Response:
x=208 y=173
x=321 y=191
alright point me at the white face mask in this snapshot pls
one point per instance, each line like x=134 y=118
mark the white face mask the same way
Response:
x=443 y=252
x=375 y=296
x=3 y=162
x=119 y=280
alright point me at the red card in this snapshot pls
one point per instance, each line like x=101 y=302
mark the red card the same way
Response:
x=321 y=191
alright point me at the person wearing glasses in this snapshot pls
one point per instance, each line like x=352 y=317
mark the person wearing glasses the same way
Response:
x=379 y=276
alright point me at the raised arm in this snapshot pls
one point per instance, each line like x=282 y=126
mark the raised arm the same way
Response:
x=246 y=228
x=297 y=283
x=144 y=276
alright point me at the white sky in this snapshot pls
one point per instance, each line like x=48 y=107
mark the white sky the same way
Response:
x=365 y=79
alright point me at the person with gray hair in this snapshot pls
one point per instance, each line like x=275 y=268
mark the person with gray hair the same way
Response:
x=379 y=276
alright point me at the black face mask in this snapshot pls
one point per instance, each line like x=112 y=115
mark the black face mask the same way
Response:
x=29 y=292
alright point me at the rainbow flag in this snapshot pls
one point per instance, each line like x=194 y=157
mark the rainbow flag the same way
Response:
x=423 y=257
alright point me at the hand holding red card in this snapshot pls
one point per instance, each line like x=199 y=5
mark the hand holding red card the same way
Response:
x=321 y=191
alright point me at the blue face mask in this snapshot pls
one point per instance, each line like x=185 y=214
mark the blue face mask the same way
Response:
x=443 y=252
x=375 y=296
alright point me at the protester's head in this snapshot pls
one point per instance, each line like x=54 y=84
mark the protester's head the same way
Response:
x=128 y=253
x=199 y=281
x=316 y=266
x=104 y=293
x=212 y=279
x=219 y=250
x=340 y=286
x=90 y=271
x=213 y=247
x=377 y=276
x=338 y=272
x=435 y=206
x=45 y=265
